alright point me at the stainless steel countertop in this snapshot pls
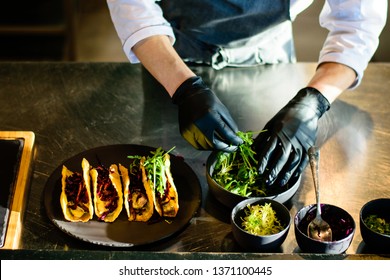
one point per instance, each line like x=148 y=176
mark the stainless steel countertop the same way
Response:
x=72 y=107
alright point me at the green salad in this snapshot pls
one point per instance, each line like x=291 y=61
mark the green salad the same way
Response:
x=237 y=171
x=261 y=220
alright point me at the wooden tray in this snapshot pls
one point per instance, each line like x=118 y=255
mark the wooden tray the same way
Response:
x=17 y=193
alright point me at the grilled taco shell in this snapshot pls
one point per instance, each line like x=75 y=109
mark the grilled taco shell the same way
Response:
x=107 y=190
x=138 y=194
x=167 y=204
x=75 y=198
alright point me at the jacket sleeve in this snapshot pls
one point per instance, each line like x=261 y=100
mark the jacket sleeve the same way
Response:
x=135 y=20
x=354 y=28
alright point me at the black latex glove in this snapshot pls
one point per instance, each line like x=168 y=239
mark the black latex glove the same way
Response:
x=204 y=121
x=282 y=148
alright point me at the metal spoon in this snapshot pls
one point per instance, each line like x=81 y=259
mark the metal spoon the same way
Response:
x=318 y=228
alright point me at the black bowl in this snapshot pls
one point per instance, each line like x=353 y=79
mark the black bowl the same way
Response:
x=259 y=243
x=229 y=199
x=381 y=208
x=341 y=222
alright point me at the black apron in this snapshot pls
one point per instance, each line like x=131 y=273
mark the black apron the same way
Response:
x=231 y=32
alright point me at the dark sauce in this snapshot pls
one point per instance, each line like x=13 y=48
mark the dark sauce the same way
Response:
x=341 y=224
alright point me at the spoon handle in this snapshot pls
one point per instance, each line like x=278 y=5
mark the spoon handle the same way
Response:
x=314 y=158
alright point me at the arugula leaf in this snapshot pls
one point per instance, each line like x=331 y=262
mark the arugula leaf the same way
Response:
x=155 y=168
x=237 y=171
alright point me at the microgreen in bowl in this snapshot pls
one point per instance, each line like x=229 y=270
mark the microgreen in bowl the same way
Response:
x=238 y=172
x=261 y=220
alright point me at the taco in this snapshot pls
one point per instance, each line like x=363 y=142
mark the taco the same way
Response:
x=166 y=198
x=75 y=198
x=107 y=191
x=138 y=194
x=158 y=172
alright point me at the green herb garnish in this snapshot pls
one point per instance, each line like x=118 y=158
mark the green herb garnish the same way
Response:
x=155 y=168
x=377 y=224
x=261 y=220
x=237 y=171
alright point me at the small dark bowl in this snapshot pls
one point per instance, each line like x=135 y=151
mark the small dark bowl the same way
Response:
x=381 y=208
x=229 y=199
x=341 y=222
x=259 y=243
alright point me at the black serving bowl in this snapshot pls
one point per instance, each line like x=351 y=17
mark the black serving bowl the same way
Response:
x=341 y=222
x=381 y=208
x=229 y=199
x=259 y=243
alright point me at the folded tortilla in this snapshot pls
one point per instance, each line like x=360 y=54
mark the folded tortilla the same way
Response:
x=138 y=194
x=107 y=191
x=75 y=198
x=167 y=203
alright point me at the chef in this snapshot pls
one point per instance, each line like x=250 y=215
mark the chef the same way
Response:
x=166 y=36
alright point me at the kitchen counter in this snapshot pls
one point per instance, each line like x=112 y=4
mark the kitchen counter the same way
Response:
x=74 y=107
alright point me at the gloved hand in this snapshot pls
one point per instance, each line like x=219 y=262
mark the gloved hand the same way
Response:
x=282 y=148
x=204 y=121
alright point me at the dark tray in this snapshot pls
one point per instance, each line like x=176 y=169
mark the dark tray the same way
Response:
x=11 y=153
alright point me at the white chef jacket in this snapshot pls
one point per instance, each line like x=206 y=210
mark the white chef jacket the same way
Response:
x=354 y=27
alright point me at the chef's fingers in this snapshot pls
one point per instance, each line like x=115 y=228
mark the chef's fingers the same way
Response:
x=289 y=168
x=265 y=147
x=278 y=160
x=218 y=134
x=302 y=165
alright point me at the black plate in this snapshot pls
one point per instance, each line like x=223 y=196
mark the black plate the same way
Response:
x=122 y=233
